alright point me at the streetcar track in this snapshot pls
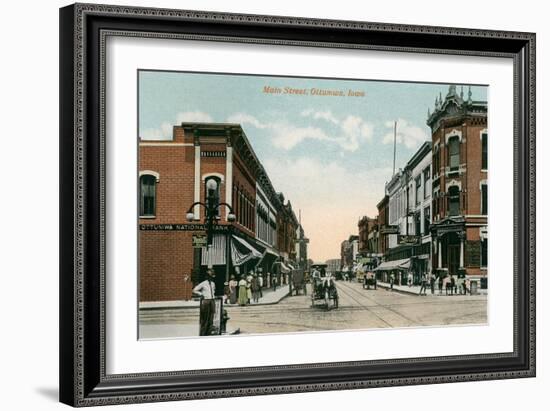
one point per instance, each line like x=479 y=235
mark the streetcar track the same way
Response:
x=186 y=312
x=366 y=308
x=414 y=322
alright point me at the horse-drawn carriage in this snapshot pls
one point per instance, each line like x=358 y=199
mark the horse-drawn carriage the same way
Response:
x=299 y=280
x=323 y=287
x=369 y=280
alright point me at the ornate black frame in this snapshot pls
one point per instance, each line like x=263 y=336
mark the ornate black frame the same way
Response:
x=83 y=29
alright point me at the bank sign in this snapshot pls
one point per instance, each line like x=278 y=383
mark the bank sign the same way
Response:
x=181 y=227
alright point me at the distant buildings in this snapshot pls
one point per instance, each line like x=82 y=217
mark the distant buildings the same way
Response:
x=349 y=250
x=369 y=238
x=301 y=248
x=333 y=265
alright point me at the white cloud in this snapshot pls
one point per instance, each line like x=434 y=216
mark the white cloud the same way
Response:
x=323 y=115
x=194 y=116
x=243 y=118
x=409 y=135
x=287 y=137
x=351 y=132
x=164 y=132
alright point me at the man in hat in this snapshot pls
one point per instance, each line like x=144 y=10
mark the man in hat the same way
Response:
x=207 y=291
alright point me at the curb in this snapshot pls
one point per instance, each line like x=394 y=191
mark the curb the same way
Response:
x=187 y=307
x=435 y=294
x=396 y=290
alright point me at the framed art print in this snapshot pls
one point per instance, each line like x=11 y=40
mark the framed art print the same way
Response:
x=260 y=204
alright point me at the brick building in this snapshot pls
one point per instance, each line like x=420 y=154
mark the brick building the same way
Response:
x=288 y=225
x=365 y=226
x=172 y=176
x=383 y=223
x=349 y=250
x=459 y=197
x=368 y=242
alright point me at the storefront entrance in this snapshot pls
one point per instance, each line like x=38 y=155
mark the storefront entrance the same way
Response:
x=451 y=253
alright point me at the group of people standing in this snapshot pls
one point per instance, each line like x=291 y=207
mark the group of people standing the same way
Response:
x=452 y=285
x=249 y=288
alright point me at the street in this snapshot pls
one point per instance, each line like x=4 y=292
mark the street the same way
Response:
x=358 y=309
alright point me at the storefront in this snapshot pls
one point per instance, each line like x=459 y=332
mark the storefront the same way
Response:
x=399 y=269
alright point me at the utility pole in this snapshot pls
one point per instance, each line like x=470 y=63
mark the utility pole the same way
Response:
x=394 y=144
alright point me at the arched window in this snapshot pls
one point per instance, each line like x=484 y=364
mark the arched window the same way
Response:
x=453 y=200
x=147 y=189
x=215 y=193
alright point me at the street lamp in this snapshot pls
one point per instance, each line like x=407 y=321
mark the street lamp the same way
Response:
x=211 y=208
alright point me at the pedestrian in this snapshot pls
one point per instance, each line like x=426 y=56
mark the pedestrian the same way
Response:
x=432 y=283
x=410 y=279
x=255 y=288
x=226 y=292
x=440 y=285
x=233 y=287
x=392 y=280
x=274 y=282
x=248 y=287
x=207 y=291
x=423 y=282
x=467 y=286
x=261 y=284
x=242 y=291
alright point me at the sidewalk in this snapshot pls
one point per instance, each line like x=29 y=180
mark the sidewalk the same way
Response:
x=269 y=297
x=415 y=290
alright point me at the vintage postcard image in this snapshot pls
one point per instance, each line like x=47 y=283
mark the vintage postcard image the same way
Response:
x=283 y=204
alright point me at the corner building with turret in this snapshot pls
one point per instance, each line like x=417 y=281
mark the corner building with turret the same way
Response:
x=459 y=186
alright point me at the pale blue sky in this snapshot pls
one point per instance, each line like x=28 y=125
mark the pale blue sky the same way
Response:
x=329 y=155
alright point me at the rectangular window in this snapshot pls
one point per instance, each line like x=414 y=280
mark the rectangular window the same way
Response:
x=426 y=182
x=418 y=182
x=427 y=220
x=484 y=199
x=453 y=197
x=454 y=153
x=484 y=252
x=417 y=224
x=484 y=151
x=436 y=161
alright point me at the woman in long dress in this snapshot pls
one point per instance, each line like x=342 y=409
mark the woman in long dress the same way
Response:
x=249 y=287
x=243 y=296
x=233 y=284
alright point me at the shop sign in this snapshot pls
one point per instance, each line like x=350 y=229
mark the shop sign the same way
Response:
x=408 y=239
x=199 y=240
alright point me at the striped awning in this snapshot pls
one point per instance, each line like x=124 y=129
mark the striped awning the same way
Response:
x=284 y=268
x=215 y=254
x=242 y=251
x=403 y=264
